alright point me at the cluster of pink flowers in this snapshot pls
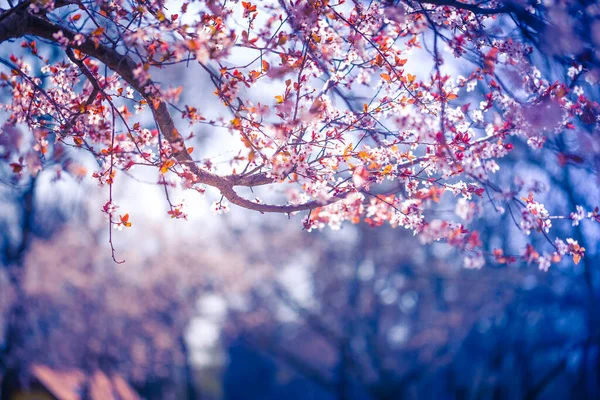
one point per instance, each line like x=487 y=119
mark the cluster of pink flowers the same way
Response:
x=349 y=129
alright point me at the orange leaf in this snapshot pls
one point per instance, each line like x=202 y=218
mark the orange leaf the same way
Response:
x=378 y=60
x=16 y=167
x=363 y=155
x=125 y=220
x=99 y=31
x=254 y=75
x=246 y=142
x=166 y=165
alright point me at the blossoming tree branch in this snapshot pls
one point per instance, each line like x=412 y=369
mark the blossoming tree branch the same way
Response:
x=317 y=97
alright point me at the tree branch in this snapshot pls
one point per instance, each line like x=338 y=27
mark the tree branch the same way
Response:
x=529 y=19
x=18 y=22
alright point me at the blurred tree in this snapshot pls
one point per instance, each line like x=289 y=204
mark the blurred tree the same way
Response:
x=365 y=318
x=22 y=221
x=68 y=306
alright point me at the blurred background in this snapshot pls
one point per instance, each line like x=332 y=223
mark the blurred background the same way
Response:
x=248 y=306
